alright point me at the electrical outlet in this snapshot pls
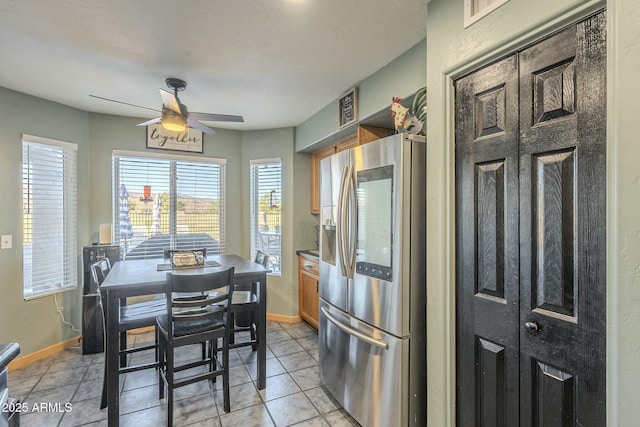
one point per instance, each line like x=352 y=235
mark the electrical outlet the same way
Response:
x=5 y=241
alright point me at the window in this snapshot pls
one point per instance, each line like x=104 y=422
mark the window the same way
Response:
x=49 y=216
x=474 y=10
x=163 y=202
x=266 y=209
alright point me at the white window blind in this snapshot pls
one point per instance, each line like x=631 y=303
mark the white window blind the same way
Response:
x=266 y=210
x=49 y=216
x=168 y=203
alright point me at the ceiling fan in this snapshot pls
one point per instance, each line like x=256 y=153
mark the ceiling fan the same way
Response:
x=175 y=115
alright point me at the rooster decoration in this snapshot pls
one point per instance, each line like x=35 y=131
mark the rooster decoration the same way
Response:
x=410 y=121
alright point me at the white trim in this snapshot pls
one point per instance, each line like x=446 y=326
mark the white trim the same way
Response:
x=48 y=141
x=265 y=161
x=168 y=156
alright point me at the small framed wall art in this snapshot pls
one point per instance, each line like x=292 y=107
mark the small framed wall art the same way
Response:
x=189 y=140
x=348 y=107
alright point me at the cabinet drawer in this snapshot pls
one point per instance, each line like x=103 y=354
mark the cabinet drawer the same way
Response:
x=309 y=266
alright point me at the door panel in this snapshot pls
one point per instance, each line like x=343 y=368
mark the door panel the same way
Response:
x=487 y=245
x=354 y=369
x=378 y=300
x=562 y=227
x=530 y=235
x=383 y=301
x=333 y=284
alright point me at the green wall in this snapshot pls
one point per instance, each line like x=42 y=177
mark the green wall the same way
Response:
x=401 y=77
x=297 y=222
x=453 y=51
x=35 y=324
x=108 y=133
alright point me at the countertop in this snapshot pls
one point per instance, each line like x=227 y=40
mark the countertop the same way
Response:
x=8 y=352
x=309 y=253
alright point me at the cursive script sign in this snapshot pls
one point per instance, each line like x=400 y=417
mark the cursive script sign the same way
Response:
x=348 y=107
x=160 y=138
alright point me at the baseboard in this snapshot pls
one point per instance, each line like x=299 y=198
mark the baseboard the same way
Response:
x=142 y=330
x=282 y=318
x=41 y=354
x=28 y=359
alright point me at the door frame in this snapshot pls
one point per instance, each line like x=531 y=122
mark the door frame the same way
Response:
x=444 y=318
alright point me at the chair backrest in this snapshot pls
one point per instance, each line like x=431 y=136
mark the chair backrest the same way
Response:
x=194 y=297
x=262 y=258
x=100 y=269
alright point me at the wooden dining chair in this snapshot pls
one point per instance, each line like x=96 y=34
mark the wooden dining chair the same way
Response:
x=245 y=308
x=132 y=316
x=196 y=312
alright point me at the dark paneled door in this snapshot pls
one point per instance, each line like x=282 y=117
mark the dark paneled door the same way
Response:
x=530 y=239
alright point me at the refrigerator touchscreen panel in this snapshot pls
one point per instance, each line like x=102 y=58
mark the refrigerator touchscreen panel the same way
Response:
x=374 y=252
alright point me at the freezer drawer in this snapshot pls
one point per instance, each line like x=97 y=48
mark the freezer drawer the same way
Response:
x=364 y=368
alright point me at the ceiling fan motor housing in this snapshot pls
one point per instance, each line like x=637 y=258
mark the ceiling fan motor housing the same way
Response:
x=178 y=85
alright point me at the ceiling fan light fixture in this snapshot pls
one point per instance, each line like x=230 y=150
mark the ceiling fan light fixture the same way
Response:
x=173 y=121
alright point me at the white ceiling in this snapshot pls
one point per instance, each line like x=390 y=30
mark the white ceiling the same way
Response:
x=276 y=62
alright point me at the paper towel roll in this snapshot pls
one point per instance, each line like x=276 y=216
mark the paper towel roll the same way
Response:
x=105 y=234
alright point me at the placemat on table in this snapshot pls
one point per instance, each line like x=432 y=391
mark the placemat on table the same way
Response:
x=168 y=266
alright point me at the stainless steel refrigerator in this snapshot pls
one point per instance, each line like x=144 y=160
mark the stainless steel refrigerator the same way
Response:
x=372 y=335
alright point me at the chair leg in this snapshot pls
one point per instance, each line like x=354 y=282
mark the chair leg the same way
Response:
x=123 y=347
x=157 y=348
x=214 y=358
x=225 y=374
x=162 y=365
x=169 y=376
x=254 y=329
x=233 y=325
x=103 y=400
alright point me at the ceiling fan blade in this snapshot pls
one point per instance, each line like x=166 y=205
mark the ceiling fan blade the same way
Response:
x=150 y=122
x=209 y=117
x=170 y=101
x=125 y=103
x=204 y=128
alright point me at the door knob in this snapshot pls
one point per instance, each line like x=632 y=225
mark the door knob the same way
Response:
x=533 y=326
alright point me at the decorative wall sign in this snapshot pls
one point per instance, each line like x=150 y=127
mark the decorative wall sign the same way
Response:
x=348 y=107
x=162 y=139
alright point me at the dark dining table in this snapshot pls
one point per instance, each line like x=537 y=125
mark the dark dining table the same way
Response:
x=143 y=277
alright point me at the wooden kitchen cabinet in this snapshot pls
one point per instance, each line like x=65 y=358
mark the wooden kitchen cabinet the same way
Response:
x=364 y=134
x=347 y=144
x=315 y=176
x=308 y=290
x=372 y=133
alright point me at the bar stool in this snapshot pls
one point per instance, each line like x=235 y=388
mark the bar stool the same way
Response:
x=133 y=316
x=196 y=312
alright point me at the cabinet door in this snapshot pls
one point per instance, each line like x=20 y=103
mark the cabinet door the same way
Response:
x=347 y=144
x=314 y=202
x=370 y=133
x=308 y=297
x=309 y=309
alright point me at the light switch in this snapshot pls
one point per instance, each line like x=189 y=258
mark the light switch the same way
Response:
x=5 y=241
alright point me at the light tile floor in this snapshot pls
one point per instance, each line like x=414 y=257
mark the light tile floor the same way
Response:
x=64 y=389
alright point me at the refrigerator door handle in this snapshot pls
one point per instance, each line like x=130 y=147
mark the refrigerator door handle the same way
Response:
x=352 y=236
x=340 y=223
x=351 y=331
